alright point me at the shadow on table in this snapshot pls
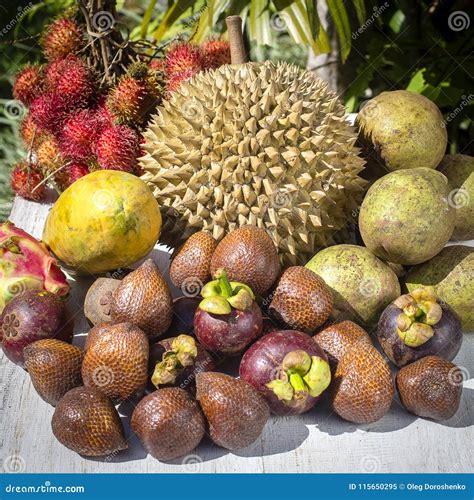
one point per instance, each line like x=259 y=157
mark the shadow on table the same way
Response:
x=397 y=418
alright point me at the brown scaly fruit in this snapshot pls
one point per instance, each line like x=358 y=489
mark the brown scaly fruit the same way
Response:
x=117 y=361
x=249 y=256
x=272 y=165
x=54 y=367
x=302 y=299
x=97 y=304
x=340 y=338
x=362 y=389
x=430 y=387
x=235 y=411
x=144 y=299
x=169 y=423
x=86 y=422
x=62 y=37
x=191 y=266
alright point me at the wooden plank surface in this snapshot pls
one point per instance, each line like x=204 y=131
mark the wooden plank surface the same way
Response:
x=318 y=441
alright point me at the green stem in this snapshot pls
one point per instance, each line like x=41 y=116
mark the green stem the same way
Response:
x=297 y=382
x=224 y=284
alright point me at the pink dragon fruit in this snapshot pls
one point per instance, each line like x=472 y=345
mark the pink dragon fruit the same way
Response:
x=25 y=264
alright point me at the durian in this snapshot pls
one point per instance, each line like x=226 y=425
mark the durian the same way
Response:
x=265 y=144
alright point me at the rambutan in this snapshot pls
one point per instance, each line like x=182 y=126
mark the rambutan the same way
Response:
x=175 y=80
x=79 y=135
x=48 y=111
x=183 y=56
x=70 y=174
x=157 y=64
x=70 y=78
x=24 y=178
x=62 y=37
x=118 y=148
x=29 y=83
x=215 y=53
x=131 y=101
x=48 y=155
x=29 y=131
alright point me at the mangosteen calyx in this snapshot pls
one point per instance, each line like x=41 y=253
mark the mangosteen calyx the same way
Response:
x=220 y=296
x=419 y=312
x=300 y=375
x=182 y=353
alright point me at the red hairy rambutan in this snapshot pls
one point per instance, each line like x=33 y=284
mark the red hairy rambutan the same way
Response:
x=70 y=174
x=183 y=56
x=48 y=155
x=62 y=37
x=24 y=178
x=157 y=64
x=48 y=111
x=29 y=83
x=70 y=78
x=215 y=53
x=29 y=130
x=79 y=135
x=175 y=80
x=131 y=101
x=118 y=148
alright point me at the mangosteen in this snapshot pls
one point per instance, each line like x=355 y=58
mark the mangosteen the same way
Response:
x=289 y=368
x=176 y=362
x=228 y=319
x=30 y=316
x=419 y=324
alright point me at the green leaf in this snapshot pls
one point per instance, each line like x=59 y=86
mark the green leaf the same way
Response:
x=147 y=18
x=396 y=21
x=177 y=10
x=260 y=29
x=359 y=6
x=417 y=82
x=341 y=22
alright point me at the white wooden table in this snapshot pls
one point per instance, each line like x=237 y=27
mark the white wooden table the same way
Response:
x=318 y=441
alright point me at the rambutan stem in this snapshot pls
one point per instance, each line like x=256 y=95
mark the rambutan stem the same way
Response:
x=52 y=174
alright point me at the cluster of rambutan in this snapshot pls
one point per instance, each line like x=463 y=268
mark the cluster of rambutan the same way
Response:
x=73 y=128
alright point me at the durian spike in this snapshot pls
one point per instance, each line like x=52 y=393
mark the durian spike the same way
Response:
x=238 y=54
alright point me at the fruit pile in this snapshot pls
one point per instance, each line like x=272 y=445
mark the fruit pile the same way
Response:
x=304 y=324
x=76 y=124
